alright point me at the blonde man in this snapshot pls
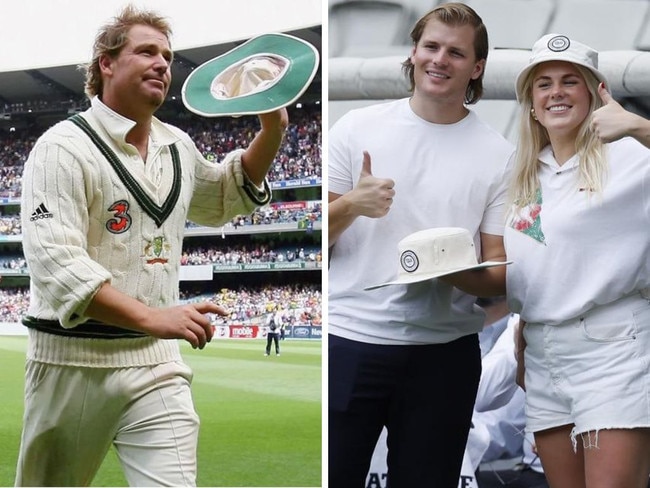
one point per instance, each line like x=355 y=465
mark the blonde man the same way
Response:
x=407 y=357
x=105 y=198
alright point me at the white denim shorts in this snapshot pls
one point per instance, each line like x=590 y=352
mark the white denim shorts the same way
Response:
x=592 y=371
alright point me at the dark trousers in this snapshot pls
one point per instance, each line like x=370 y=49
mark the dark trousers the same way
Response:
x=272 y=337
x=423 y=394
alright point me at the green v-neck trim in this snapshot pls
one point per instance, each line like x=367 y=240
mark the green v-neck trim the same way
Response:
x=157 y=212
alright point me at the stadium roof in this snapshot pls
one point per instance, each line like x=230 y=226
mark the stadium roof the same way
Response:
x=60 y=82
x=55 y=37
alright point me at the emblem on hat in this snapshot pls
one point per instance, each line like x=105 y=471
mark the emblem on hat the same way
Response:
x=409 y=261
x=433 y=253
x=559 y=43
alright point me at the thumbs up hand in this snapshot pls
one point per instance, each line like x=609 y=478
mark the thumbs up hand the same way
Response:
x=372 y=197
x=611 y=121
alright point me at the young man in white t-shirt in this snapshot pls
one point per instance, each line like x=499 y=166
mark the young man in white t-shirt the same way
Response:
x=407 y=357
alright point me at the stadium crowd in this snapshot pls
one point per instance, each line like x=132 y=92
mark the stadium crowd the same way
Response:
x=202 y=255
x=14 y=263
x=298 y=158
x=14 y=302
x=10 y=225
x=211 y=254
x=300 y=303
x=14 y=149
x=269 y=215
x=253 y=253
x=272 y=214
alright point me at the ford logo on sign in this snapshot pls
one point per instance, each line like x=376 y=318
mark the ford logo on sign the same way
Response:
x=301 y=331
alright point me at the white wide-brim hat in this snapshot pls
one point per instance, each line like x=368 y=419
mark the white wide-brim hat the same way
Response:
x=556 y=47
x=432 y=253
x=263 y=74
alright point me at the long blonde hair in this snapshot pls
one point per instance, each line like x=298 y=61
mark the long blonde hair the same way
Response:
x=533 y=137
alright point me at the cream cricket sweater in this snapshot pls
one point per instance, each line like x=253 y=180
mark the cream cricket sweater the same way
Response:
x=88 y=220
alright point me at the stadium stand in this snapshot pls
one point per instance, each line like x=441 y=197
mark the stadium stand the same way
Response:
x=643 y=39
x=246 y=304
x=533 y=19
x=611 y=25
x=256 y=263
x=368 y=27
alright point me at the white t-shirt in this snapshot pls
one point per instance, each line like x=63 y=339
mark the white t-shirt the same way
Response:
x=451 y=175
x=575 y=249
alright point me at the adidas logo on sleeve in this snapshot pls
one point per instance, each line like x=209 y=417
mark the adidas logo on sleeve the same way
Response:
x=41 y=213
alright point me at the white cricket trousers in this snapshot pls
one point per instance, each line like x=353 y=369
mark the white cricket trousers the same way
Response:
x=74 y=414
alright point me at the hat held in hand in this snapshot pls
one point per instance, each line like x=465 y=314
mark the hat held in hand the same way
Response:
x=263 y=74
x=432 y=253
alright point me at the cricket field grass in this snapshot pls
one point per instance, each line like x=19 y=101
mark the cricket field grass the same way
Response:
x=260 y=416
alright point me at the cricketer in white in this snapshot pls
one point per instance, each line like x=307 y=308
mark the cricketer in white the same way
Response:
x=106 y=195
x=97 y=232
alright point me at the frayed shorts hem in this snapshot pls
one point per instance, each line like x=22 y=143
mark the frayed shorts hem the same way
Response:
x=590 y=436
x=532 y=429
x=591 y=372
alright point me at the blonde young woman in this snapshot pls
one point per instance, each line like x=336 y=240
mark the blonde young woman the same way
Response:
x=579 y=235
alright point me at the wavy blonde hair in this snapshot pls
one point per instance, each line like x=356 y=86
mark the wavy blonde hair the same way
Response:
x=112 y=37
x=533 y=137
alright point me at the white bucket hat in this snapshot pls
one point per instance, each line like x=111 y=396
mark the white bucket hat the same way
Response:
x=263 y=74
x=436 y=252
x=556 y=47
